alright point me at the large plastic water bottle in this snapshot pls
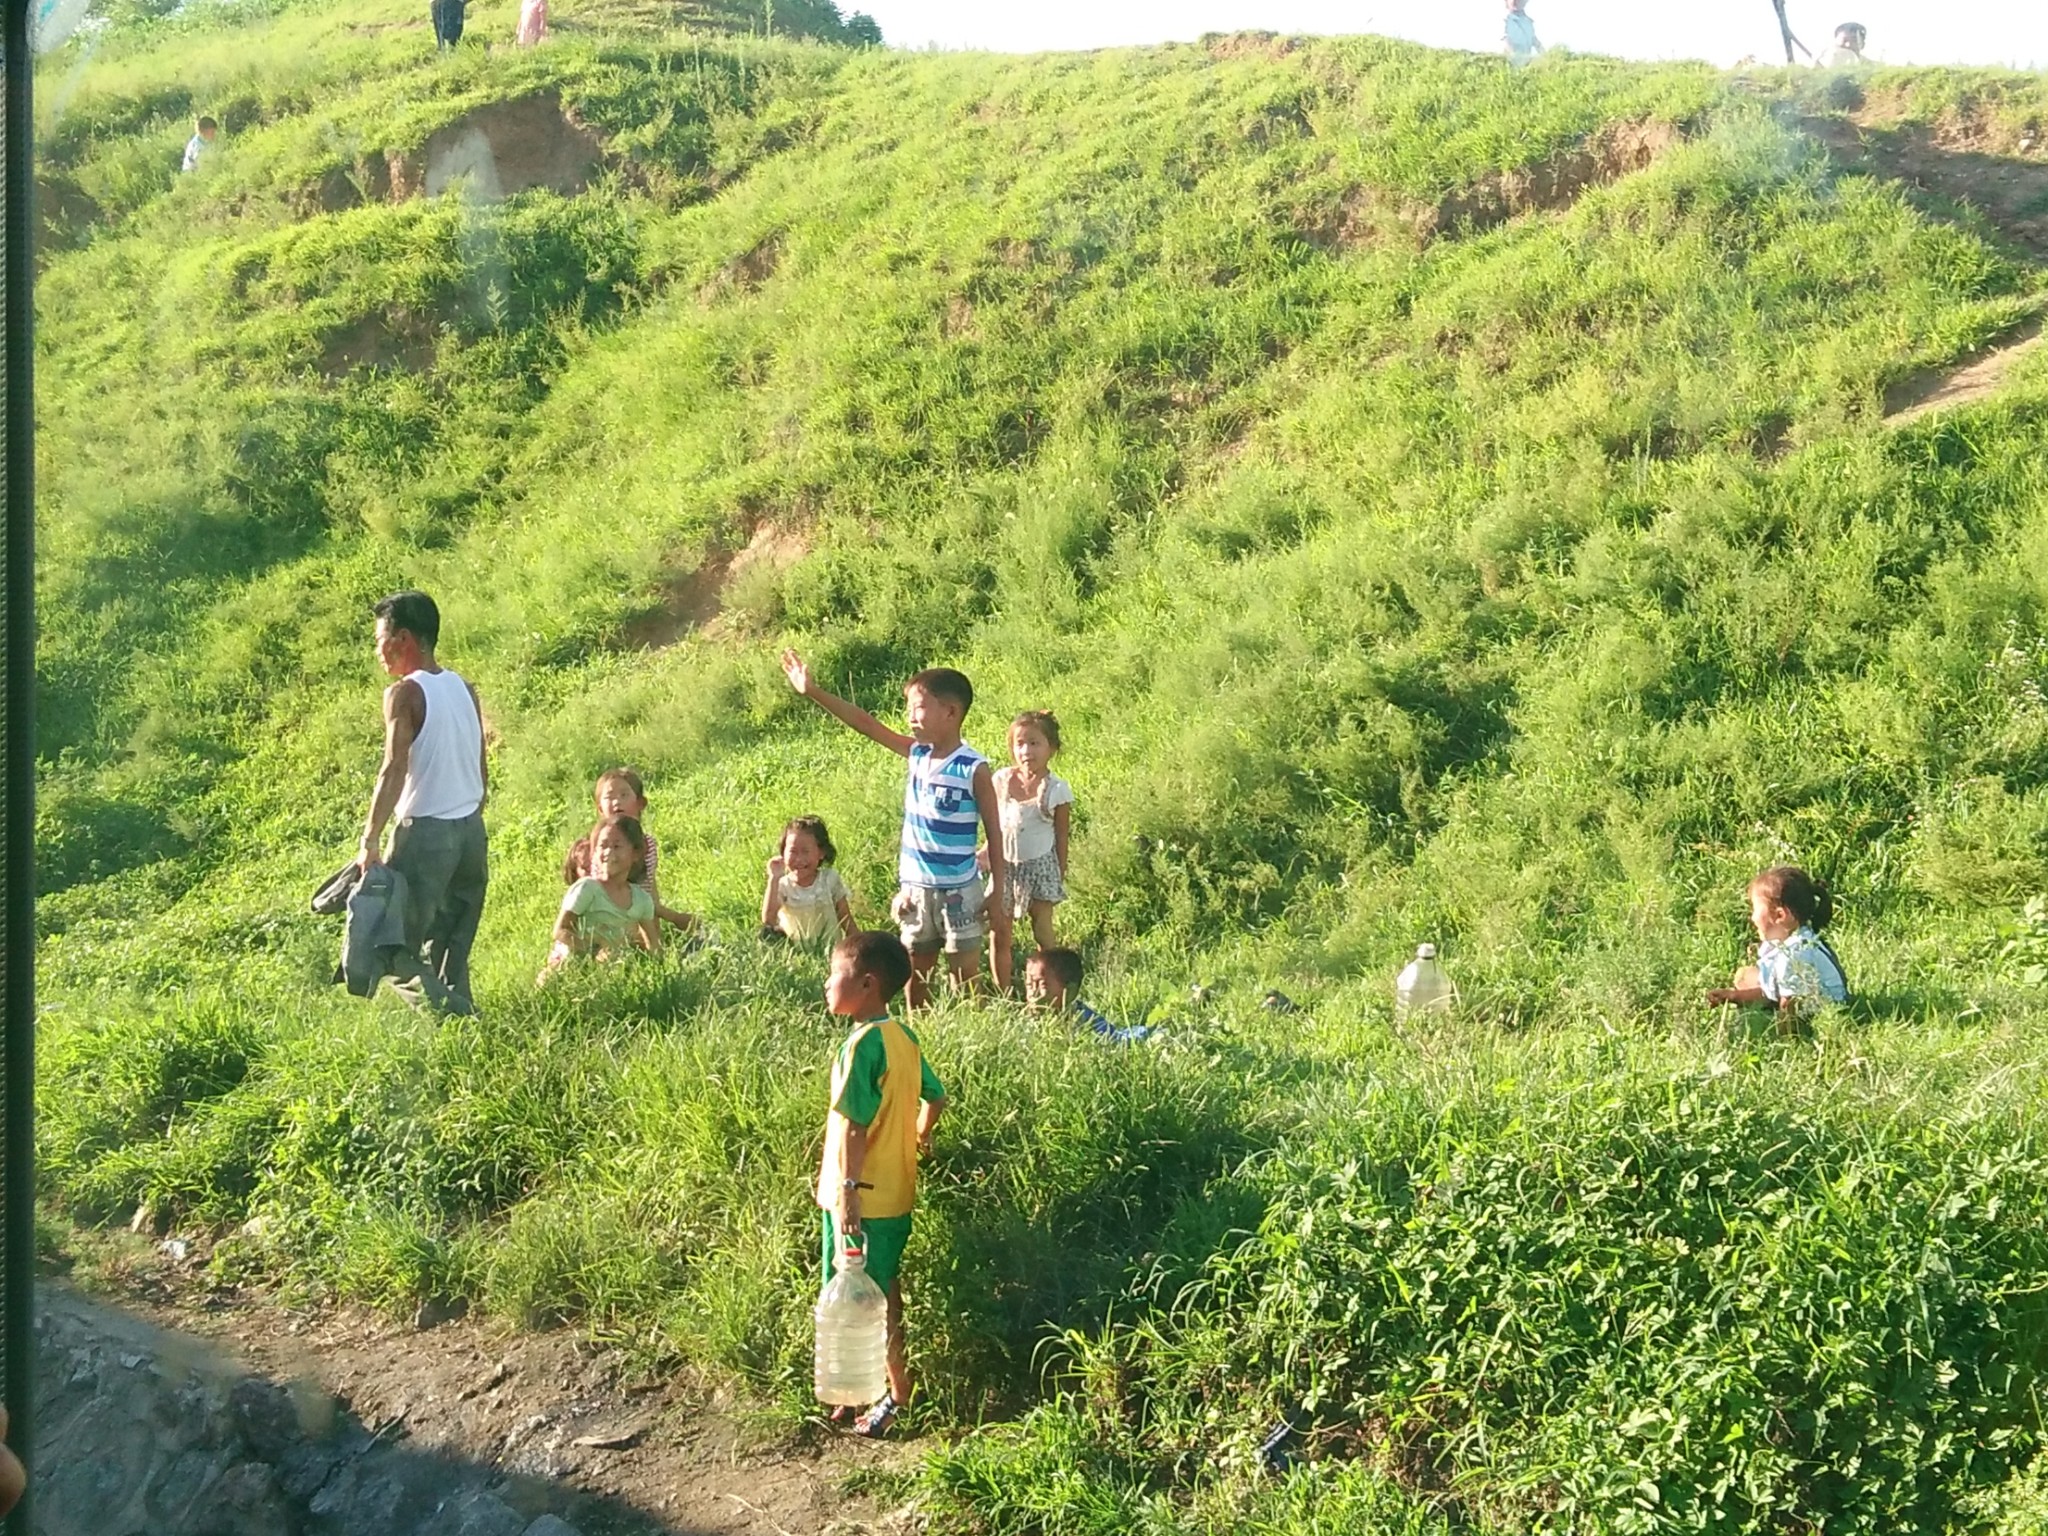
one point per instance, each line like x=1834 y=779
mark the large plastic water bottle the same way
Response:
x=851 y=1366
x=1422 y=987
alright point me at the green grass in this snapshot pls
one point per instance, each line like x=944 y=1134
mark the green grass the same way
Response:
x=1397 y=573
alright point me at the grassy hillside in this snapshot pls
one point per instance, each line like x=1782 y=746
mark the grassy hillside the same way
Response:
x=1439 y=504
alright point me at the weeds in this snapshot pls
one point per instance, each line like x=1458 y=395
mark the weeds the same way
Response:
x=1405 y=562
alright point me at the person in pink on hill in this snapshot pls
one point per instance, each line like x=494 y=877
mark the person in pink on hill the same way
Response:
x=533 y=23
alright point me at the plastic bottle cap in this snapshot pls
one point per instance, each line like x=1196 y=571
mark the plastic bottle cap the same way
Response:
x=1425 y=951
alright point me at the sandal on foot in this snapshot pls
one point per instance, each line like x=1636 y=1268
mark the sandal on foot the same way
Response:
x=876 y=1421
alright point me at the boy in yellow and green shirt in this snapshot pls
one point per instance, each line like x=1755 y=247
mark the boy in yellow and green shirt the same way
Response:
x=885 y=1101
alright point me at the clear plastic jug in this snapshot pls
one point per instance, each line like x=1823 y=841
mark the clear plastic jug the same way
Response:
x=1422 y=987
x=851 y=1366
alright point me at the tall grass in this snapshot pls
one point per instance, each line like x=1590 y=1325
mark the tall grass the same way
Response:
x=1521 y=586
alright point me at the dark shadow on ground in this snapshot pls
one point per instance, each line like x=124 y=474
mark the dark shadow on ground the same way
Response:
x=147 y=1432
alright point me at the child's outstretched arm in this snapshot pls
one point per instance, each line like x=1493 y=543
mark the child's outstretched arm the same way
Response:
x=686 y=921
x=799 y=675
x=771 y=899
x=992 y=832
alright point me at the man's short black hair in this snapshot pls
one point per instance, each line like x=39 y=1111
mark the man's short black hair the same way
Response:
x=415 y=613
x=1063 y=963
x=945 y=683
x=880 y=955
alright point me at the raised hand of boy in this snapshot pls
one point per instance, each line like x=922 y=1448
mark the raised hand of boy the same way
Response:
x=797 y=671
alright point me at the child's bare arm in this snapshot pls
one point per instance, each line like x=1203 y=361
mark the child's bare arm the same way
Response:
x=676 y=919
x=799 y=675
x=565 y=942
x=992 y=831
x=771 y=899
x=1736 y=995
x=928 y=1114
x=1060 y=822
x=648 y=935
x=849 y=1191
x=847 y=926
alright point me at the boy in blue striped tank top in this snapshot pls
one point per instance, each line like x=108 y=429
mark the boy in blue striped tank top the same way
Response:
x=949 y=806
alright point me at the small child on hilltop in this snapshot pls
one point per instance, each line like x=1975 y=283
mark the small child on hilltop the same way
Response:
x=606 y=912
x=1795 y=969
x=948 y=800
x=620 y=792
x=1052 y=980
x=806 y=900
x=1518 y=35
x=203 y=134
x=1035 y=807
x=884 y=1103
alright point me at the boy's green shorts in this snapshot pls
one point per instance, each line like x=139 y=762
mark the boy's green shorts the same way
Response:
x=884 y=1237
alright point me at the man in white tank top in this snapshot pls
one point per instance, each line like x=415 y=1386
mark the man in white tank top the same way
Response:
x=433 y=780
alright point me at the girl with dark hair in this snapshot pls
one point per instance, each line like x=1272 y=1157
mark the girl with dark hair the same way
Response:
x=1035 y=806
x=606 y=912
x=806 y=900
x=1795 y=969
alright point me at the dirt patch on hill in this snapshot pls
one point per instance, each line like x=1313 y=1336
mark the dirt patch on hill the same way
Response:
x=1618 y=150
x=745 y=272
x=395 y=339
x=1948 y=164
x=506 y=147
x=1249 y=45
x=496 y=151
x=1363 y=217
x=1935 y=389
x=712 y=597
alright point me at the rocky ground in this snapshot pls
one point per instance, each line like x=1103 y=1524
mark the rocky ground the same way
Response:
x=168 y=1411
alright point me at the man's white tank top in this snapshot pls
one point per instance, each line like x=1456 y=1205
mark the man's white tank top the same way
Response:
x=444 y=778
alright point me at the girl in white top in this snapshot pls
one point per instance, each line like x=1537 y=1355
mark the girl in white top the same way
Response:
x=806 y=900
x=1035 y=806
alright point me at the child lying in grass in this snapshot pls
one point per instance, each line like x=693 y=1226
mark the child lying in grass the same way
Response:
x=605 y=913
x=1795 y=969
x=619 y=792
x=805 y=900
x=1052 y=980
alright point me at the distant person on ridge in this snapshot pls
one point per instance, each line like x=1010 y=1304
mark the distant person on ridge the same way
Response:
x=433 y=779
x=949 y=799
x=1848 y=50
x=533 y=23
x=1518 y=33
x=203 y=133
x=447 y=16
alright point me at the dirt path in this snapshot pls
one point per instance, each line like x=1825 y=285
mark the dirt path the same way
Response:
x=1938 y=389
x=472 y=1414
x=1942 y=168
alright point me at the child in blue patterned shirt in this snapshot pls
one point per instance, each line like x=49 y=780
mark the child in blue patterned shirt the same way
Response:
x=949 y=803
x=1795 y=969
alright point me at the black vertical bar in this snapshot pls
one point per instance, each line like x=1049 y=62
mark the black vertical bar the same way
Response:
x=17 y=867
